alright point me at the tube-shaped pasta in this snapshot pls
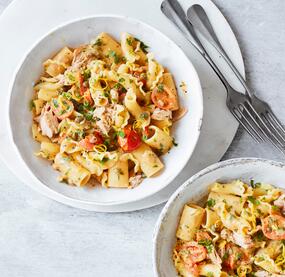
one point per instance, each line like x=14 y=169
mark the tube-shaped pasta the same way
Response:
x=37 y=134
x=39 y=104
x=159 y=140
x=128 y=43
x=110 y=48
x=73 y=172
x=69 y=146
x=154 y=72
x=166 y=123
x=190 y=221
x=210 y=270
x=47 y=95
x=149 y=162
x=94 y=167
x=235 y=188
x=60 y=61
x=118 y=175
x=131 y=103
x=232 y=201
x=48 y=150
x=211 y=218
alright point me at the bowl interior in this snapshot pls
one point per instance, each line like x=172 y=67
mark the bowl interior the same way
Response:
x=195 y=190
x=186 y=131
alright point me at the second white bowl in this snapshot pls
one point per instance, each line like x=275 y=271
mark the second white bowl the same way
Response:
x=194 y=190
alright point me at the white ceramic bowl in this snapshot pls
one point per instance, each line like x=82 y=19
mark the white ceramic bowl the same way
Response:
x=194 y=190
x=186 y=131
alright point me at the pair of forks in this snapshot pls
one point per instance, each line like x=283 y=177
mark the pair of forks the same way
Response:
x=253 y=114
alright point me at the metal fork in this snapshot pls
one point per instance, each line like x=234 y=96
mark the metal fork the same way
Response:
x=200 y=21
x=238 y=103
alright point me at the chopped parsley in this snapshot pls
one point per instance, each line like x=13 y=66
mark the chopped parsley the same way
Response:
x=226 y=256
x=121 y=80
x=253 y=200
x=160 y=88
x=238 y=256
x=211 y=203
x=144 y=115
x=254 y=185
x=207 y=243
x=67 y=95
x=86 y=74
x=98 y=42
x=121 y=134
x=32 y=105
x=114 y=55
x=129 y=41
x=143 y=46
x=174 y=142
x=55 y=103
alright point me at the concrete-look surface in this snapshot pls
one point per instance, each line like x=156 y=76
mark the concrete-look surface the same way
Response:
x=39 y=237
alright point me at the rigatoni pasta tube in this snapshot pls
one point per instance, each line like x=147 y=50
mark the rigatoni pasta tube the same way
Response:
x=118 y=175
x=73 y=172
x=94 y=167
x=131 y=103
x=159 y=140
x=149 y=162
x=190 y=221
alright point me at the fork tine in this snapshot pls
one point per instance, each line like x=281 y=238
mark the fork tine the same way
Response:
x=273 y=117
x=275 y=128
x=270 y=133
x=246 y=125
x=258 y=126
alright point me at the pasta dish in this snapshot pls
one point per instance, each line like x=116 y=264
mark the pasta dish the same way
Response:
x=239 y=232
x=104 y=111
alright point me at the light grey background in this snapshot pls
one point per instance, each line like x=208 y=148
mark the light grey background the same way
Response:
x=37 y=233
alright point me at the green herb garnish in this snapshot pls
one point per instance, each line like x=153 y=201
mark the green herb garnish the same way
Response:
x=253 y=200
x=207 y=243
x=160 y=87
x=121 y=134
x=211 y=203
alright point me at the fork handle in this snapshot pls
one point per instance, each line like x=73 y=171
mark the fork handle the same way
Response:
x=171 y=7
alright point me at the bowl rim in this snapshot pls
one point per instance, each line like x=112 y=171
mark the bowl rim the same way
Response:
x=49 y=192
x=172 y=200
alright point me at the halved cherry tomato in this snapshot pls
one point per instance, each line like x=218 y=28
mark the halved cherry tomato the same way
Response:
x=163 y=98
x=128 y=139
x=203 y=235
x=82 y=85
x=197 y=252
x=273 y=227
x=62 y=107
x=90 y=141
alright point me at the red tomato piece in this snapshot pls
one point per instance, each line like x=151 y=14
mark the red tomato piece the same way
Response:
x=128 y=139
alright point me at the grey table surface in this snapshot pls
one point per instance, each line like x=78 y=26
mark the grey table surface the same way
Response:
x=39 y=237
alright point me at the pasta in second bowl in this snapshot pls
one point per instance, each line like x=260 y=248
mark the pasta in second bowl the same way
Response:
x=81 y=145
x=222 y=222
